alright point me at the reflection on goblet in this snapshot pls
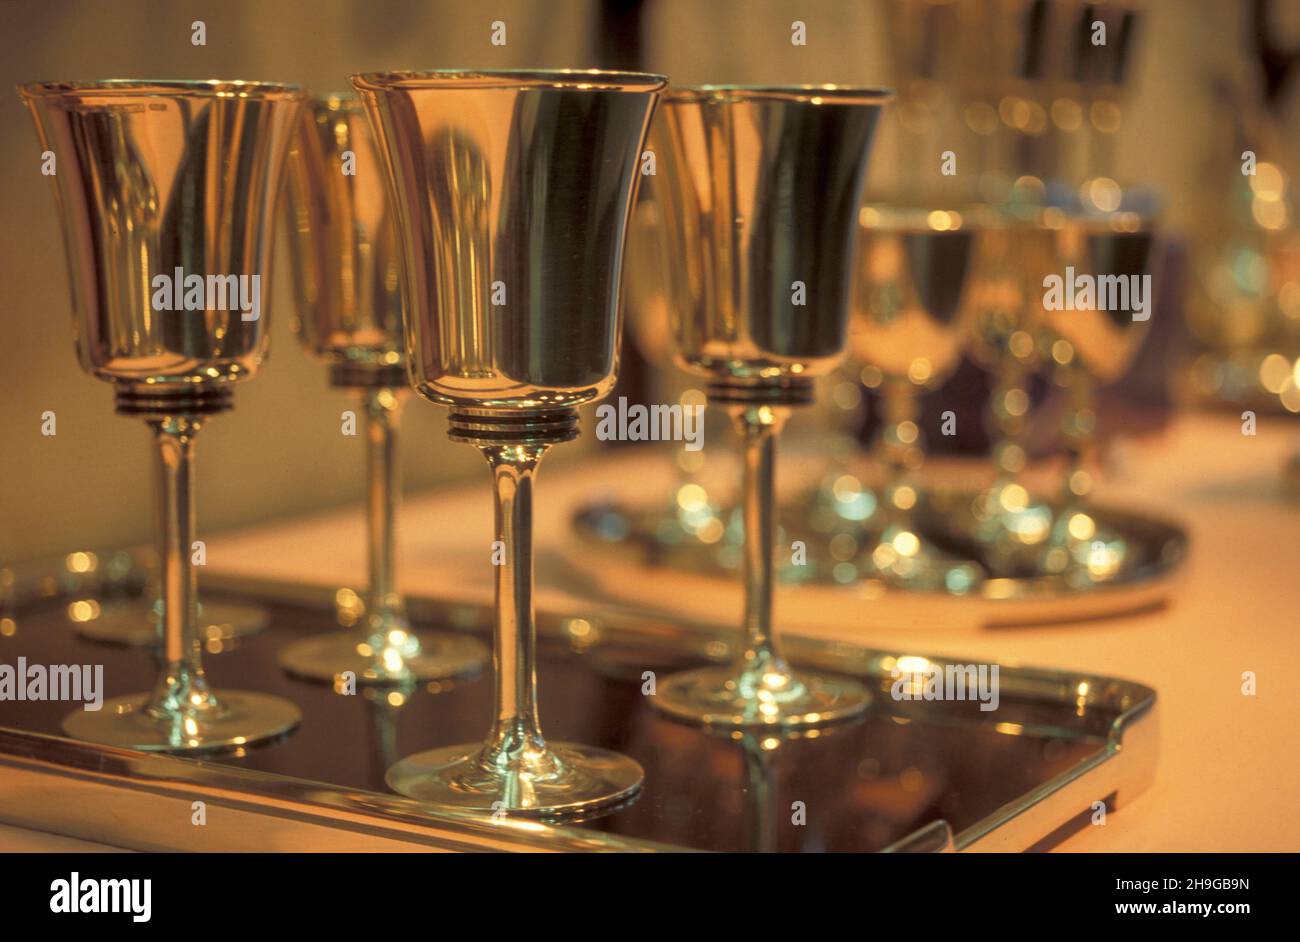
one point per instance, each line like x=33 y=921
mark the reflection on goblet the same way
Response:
x=913 y=268
x=760 y=189
x=514 y=191
x=346 y=269
x=166 y=194
x=1090 y=333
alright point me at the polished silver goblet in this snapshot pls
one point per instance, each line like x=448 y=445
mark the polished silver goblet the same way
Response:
x=911 y=287
x=166 y=194
x=346 y=277
x=1092 y=323
x=513 y=192
x=760 y=188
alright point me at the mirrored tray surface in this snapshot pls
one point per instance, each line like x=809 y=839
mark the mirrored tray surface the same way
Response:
x=914 y=774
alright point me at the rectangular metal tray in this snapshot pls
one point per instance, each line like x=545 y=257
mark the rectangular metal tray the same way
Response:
x=914 y=775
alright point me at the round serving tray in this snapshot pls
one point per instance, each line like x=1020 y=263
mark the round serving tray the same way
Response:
x=645 y=561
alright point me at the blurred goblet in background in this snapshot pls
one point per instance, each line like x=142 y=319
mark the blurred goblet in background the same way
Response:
x=1090 y=342
x=911 y=287
x=688 y=527
x=171 y=180
x=1243 y=309
x=1006 y=524
x=346 y=277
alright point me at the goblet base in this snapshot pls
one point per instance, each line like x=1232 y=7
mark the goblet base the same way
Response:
x=245 y=718
x=578 y=780
x=441 y=656
x=718 y=696
x=134 y=623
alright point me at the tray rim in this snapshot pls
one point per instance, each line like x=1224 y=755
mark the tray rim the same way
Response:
x=38 y=768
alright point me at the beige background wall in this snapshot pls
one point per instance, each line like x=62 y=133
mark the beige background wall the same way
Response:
x=281 y=453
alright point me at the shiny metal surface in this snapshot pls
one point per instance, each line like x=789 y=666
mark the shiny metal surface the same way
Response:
x=760 y=189
x=174 y=179
x=1007 y=780
x=155 y=176
x=910 y=294
x=346 y=261
x=990 y=552
x=513 y=192
x=347 y=287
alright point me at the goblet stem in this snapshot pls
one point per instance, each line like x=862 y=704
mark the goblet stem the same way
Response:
x=515 y=739
x=384 y=650
x=902 y=554
x=900 y=454
x=758 y=688
x=900 y=443
x=1007 y=410
x=180 y=714
x=1077 y=434
x=1001 y=508
x=138 y=623
x=758 y=427
x=515 y=769
x=848 y=424
x=182 y=687
x=383 y=414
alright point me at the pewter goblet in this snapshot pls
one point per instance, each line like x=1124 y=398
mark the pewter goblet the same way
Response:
x=1007 y=524
x=686 y=528
x=1092 y=337
x=513 y=192
x=760 y=188
x=911 y=287
x=166 y=194
x=346 y=272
